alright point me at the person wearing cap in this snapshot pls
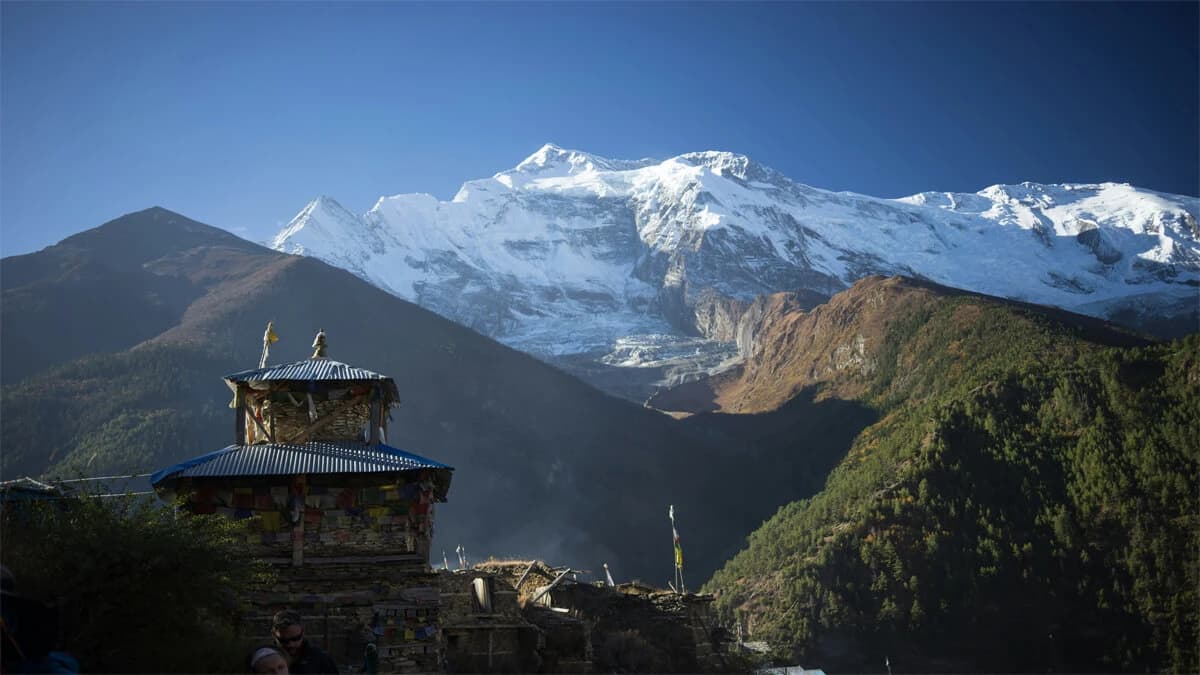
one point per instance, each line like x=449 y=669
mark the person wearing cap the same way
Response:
x=303 y=657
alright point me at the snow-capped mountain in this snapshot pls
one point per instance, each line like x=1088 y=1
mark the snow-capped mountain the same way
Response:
x=648 y=262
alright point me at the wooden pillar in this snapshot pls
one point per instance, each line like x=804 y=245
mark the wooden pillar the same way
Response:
x=239 y=425
x=383 y=413
x=298 y=492
x=376 y=405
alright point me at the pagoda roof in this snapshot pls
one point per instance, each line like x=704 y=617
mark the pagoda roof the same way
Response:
x=313 y=458
x=313 y=370
x=307 y=369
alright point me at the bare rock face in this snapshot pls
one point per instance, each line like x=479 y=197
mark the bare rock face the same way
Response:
x=718 y=317
x=854 y=356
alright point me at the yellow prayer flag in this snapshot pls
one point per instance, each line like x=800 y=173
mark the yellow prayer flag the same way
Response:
x=270 y=520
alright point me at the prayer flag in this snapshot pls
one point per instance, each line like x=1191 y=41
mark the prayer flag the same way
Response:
x=675 y=537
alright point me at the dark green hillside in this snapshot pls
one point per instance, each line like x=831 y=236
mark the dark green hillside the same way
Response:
x=98 y=291
x=818 y=379
x=1030 y=510
x=113 y=413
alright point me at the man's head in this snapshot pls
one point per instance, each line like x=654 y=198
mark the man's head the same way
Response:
x=268 y=661
x=288 y=632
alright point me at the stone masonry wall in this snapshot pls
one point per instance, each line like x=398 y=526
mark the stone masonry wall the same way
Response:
x=395 y=606
x=291 y=420
x=390 y=514
x=365 y=574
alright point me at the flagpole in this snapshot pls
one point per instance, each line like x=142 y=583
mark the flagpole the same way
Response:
x=268 y=337
x=678 y=550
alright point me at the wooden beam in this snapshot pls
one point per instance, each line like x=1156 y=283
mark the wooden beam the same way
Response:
x=239 y=416
x=363 y=559
x=250 y=411
x=298 y=490
x=384 y=412
x=526 y=574
x=551 y=586
x=374 y=423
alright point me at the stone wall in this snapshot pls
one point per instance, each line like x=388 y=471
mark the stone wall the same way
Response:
x=566 y=645
x=661 y=631
x=291 y=420
x=367 y=514
x=364 y=572
x=368 y=518
x=483 y=626
x=629 y=628
x=395 y=606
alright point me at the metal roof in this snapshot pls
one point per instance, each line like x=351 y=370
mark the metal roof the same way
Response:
x=308 y=369
x=290 y=459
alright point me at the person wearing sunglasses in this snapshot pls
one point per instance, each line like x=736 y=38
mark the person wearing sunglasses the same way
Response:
x=288 y=630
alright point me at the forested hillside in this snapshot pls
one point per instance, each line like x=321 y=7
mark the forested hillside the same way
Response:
x=1027 y=499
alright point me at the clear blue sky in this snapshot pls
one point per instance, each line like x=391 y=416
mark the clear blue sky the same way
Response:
x=237 y=114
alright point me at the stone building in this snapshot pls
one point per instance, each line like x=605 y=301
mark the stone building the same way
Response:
x=344 y=519
x=592 y=627
x=483 y=625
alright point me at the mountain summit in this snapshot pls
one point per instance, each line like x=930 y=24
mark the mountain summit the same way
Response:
x=598 y=263
x=552 y=159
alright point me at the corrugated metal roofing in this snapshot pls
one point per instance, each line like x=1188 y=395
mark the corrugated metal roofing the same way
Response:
x=308 y=369
x=318 y=457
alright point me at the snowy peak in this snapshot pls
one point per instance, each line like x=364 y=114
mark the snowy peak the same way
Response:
x=732 y=164
x=325 y=229
x=322 y=218
x=571 y=253
x=324 y=206
x=1071 y=209
x=552 y=161
x=550 y=156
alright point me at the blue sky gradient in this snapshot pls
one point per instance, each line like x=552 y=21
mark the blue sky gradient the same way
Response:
x=238 y=114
